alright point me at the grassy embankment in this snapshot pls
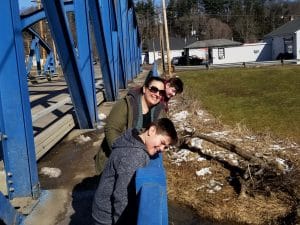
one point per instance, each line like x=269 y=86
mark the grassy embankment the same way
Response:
x=265 y=99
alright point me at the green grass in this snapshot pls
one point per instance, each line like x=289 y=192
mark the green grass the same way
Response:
x=265 y=99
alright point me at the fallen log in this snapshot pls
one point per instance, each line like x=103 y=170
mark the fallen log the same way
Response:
x=254 y=174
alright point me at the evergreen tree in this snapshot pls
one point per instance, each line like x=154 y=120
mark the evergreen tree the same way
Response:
x=146 y=19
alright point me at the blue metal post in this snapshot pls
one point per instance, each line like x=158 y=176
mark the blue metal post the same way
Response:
x=8 y=214
x=27 y=20
x=151 y=188
x=127 y=41
x=57 y=22
x=131 y=45
x=121 y=9
x=85 y=55
x=17 y=133
x=135 y=44
x=105 y=30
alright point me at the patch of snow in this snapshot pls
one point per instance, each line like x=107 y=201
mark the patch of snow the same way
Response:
x=200 y=159
x=51 y=172
x=217 y=188
x=199 y=188
x=214 y=185
x=203 y=171
x=282 y=164
x=82 y=139
x=238 y=139
x=235 y=162
x=178 y=117
x=200 y=113
x=196 y=143
x=294 y=145
x=189 y=129
x=251 y=137
x=276 y=147
x=97 y=143
x=102 y=116
x=219 y=133
x=231 y=156
x=100 y=125
x=184 y=155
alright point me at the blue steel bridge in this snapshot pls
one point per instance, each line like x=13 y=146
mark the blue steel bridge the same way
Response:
x=25 y=106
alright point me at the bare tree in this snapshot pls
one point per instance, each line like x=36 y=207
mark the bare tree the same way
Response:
x=216 y=29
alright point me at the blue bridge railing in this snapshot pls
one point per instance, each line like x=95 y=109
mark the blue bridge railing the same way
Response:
x=151 y=189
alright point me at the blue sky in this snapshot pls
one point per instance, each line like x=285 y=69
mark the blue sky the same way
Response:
x=25 y=4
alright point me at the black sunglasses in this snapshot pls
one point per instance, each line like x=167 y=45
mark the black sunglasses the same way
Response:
x=154 y=90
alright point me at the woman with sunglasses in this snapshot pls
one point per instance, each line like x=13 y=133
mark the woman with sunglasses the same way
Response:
x=138 y=109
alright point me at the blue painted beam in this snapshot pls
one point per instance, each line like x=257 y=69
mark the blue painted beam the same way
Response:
x=29 y=19
x=128 y=45
x=85 y=56
x=16 y=124
x=57 y=22
x=150 y=210
x=49 y=66
x=105 y=31
x=121 y=10
x=151 y=189
x=135 y=48
x=131 y=41
x=8 y=214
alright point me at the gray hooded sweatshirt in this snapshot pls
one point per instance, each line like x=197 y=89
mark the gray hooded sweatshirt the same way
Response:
x=115 y=194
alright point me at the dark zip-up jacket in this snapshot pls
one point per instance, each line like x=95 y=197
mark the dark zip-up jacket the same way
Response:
x=115 y=198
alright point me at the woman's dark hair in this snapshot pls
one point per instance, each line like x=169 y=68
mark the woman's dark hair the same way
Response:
x=152 y=78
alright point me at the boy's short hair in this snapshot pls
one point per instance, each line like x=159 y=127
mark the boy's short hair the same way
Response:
x=176 y=83
x=165 y=126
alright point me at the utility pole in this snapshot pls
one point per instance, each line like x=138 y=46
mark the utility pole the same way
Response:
x=167 y=37
x=162 y=43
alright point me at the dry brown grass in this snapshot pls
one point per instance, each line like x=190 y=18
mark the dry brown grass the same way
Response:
x=227 y=205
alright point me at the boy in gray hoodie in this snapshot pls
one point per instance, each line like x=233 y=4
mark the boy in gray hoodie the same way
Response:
x=115 y=197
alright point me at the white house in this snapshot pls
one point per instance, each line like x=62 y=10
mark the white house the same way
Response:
x=285 y=40
x=211 y=50
x=176 y=48
x=253 y=52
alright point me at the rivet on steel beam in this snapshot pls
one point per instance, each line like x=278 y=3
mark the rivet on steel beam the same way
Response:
x=3 y=136
x=9 y=174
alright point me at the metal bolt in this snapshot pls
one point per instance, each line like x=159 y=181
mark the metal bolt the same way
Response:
x=3 y=136
x=11 y=189
x=9 y=174
x=10 y=181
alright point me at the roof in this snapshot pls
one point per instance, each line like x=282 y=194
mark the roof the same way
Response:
x=287 y=28
x=213 y=43
x=175 y=43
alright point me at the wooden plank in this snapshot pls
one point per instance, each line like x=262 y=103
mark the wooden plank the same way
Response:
x=54 y=133
x=48 y=138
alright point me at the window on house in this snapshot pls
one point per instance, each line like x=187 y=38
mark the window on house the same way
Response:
x=221 y=53
x=288 y=45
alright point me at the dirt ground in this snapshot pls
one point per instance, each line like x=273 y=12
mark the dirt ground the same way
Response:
x=202 y=182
